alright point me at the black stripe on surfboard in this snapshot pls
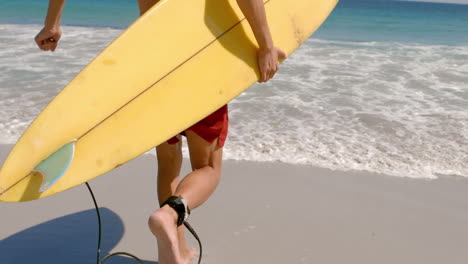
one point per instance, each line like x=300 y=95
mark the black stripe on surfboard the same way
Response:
x=167 y=74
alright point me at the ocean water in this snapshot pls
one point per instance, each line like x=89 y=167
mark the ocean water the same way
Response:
x=381 y=87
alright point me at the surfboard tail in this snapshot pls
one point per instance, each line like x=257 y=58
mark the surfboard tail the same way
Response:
x=46 y=174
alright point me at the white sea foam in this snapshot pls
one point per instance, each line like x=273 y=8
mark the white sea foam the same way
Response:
x=30 y=78
x=390 y=108
x=381 y=107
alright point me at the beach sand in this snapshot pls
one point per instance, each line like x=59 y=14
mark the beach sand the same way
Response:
x=260 y=213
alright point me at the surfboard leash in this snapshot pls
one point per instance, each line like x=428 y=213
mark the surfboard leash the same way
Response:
x=190 y=228
x=98 y=257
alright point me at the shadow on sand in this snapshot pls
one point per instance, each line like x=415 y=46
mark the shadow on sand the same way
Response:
x=70 y=239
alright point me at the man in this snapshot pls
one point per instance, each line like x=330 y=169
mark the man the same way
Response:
x=205 y=139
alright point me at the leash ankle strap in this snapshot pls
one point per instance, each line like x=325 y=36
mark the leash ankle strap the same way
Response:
x=180 y=205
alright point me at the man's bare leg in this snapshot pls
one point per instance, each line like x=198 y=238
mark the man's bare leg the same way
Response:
x=169 y=165
x=196 y=187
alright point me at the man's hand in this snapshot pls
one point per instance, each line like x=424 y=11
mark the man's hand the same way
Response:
x=48 y=39
x=268 y=62
x=268 y=55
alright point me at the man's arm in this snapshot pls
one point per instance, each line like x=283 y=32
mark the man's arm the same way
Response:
x=49 y=36
x=268 y=54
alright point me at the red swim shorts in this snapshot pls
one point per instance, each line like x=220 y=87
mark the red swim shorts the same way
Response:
x=210 y=128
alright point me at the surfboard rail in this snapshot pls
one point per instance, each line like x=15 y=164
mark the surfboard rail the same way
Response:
x=116 y=110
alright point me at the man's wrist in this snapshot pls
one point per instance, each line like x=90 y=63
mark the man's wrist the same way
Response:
x=266 y=49
x=54 y=14
x=52 y=27
x=52 y=23
x=265 y=41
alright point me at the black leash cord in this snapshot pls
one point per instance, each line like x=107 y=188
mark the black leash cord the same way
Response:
x=98 y=257
x=190 y=228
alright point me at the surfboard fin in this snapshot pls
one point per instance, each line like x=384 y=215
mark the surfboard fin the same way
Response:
x=55 y=165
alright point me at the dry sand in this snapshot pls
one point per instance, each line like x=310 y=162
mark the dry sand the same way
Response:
x=261 y=213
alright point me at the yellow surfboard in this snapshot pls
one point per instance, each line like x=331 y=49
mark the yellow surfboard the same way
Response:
x=176 y=64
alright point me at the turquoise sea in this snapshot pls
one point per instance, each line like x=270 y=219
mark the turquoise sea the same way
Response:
x=382 y=86
x=353 y=20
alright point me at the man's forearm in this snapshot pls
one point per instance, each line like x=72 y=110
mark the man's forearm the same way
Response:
x=54 y=13
x=254 y=11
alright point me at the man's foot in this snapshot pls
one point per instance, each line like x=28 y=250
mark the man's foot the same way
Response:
x=188 y=255
x=163 y=225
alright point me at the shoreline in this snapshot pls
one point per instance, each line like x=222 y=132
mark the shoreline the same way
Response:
x=260 y=213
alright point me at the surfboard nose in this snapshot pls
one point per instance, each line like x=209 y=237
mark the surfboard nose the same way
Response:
x=55 y=166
